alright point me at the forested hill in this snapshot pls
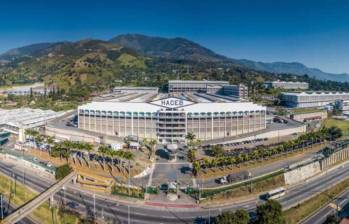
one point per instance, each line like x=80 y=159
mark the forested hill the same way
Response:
x=85 y=67
x=183 y=49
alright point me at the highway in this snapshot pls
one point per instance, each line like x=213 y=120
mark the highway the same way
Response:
x=331 y=208
x=110 y=209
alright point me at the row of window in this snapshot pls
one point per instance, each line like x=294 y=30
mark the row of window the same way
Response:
x=155 y=115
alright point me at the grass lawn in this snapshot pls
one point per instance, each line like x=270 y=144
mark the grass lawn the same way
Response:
x=219 y=172
x=22 y=194
x=296 y=214
x=242 y=192
x=342 y=124
x=68 y=218
x=306 y=110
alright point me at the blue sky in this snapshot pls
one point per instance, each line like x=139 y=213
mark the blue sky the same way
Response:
x=315 y=33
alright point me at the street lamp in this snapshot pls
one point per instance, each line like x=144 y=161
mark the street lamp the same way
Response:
x=94 y=205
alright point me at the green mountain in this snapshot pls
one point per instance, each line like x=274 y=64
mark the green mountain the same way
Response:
x=93 y=64
x=84 y=68
x=169 y=48
x=182 y=49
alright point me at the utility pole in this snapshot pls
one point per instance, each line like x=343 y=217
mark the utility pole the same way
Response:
x=209 y=216
x=128 y=215
x=63 y=195
x=2 y=209
x=129 y=176
x=94 y=205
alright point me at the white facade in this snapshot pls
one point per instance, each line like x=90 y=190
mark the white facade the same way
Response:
x=170 y=119
x=286 y=85
x=178 y=86
x=312 y=99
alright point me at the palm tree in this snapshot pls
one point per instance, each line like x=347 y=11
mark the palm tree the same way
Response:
x=190 y=137
x=104 y=151
x=196 y=167
x=152 y=143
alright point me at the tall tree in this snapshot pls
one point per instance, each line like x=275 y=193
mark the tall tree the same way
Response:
x=270 y=213
x=239 y=217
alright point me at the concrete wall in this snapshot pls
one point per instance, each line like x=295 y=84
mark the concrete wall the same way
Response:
x=274 y=133
x=64 y=134
x=335 y=158
x=302 y=173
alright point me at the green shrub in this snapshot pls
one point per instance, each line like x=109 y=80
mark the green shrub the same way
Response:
x=63 y=171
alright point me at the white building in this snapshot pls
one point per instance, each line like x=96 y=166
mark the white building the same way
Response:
x=312 y=99
x=180 y=86
x=286 y=85
x=17 y=120
x=169 y=118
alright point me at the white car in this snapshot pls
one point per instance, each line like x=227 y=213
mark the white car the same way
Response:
x=223 y=180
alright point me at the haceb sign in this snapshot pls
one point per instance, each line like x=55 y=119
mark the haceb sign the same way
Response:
x=172 y=102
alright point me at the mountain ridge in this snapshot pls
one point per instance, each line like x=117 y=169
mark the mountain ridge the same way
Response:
x=141 y=43
x=167 y=48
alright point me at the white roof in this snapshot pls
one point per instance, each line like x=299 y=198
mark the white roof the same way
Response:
x=194 y=108
x=27 y=117
x=314 y=93
x=196 y=81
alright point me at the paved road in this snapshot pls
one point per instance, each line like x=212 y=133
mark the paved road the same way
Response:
x=331 y=208
x=110 y=209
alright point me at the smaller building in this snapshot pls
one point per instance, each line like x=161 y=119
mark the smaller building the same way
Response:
x=239 y=91
x=34 y=89
x=310 y=115
x=312 y=99
x=286 y=85
x=181 y=86
x=138 y=89
x=342 y=105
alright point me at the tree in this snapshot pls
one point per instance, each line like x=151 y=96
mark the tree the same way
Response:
x=332 y=219
x=239 y=217
x=334 y=133
x=104 y=151
x=196 y=167
x=61 y=149
x=191 y=155
x=190 y=136
x=62 y=171
x=152 y=143
x=31 y=132
x=217 y=150
x=270 y=213
x=192 y=142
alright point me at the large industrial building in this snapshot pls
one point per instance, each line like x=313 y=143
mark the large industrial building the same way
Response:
x=170 y=117
x=286 y=85
x=238 y=91
x=312 y=99
x=181 y=86
x=17 y=120
x=25 y=90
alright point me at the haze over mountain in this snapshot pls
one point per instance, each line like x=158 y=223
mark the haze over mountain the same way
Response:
x=158 y=47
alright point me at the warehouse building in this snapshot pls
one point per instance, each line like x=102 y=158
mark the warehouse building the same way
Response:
x=181 y=86
x=139 y=89
x=286 y=85
x=170 y=117
x=312 y=99
x=17 y=120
